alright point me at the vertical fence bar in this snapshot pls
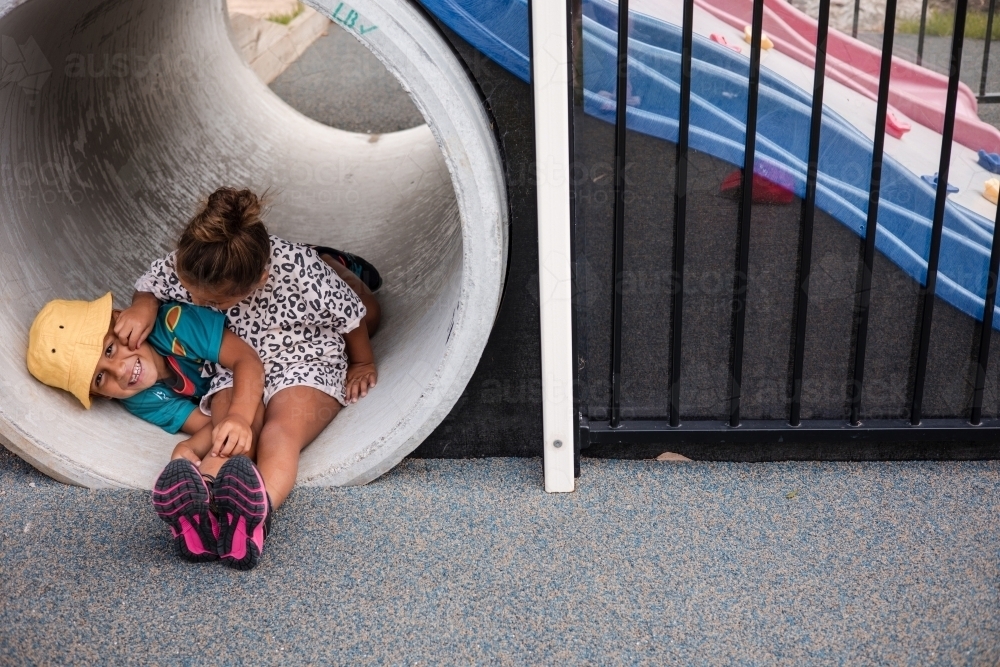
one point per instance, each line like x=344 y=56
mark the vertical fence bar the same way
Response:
x=574 y=32
x=986 y=333
x=621 y=104
x=809 y=213
x=746 y=207
x=680 y=213
x=927 y=316
x=857 y=10
x=550 y=87
x=986 y=48
x=921 y=33
x=871 y=225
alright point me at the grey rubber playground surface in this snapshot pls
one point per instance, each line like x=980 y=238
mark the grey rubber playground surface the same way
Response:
x=470 y=562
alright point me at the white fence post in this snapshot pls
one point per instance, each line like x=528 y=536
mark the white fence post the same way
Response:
x=550 y=82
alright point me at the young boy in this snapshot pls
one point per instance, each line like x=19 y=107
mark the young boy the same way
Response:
x=72 y=346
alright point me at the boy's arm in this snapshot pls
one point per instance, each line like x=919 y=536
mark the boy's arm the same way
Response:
x=234 y=434
x=361 y=372
x=135 y=323
x=196 y=421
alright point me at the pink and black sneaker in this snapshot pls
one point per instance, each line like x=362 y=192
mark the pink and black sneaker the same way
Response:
x=244 y=512
x=181 y=498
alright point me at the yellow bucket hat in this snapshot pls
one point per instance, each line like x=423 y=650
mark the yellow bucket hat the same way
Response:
x=66 y=342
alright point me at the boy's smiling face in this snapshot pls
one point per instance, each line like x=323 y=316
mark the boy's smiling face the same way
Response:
x=121 y=372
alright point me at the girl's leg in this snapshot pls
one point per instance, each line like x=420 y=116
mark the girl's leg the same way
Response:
x=374 y=314
x=293 y=419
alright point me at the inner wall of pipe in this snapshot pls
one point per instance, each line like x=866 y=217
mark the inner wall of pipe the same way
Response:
x=146 y=108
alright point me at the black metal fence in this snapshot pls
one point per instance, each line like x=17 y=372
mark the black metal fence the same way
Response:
x=604 y=422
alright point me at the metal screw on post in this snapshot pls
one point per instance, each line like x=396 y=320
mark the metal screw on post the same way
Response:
x=557 y=444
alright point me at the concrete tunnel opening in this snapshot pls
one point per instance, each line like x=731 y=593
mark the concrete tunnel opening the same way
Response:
x=121 y=114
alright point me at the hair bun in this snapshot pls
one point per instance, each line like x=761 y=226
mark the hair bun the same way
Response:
x=248 y=210
x=226 y=214
x=226 y=243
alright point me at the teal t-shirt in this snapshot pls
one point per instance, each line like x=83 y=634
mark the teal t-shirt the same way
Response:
x=186 y=336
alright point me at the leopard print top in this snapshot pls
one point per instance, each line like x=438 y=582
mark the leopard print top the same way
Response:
x=295 y=322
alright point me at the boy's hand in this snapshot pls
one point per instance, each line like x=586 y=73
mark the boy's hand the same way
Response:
x=360 y=378
x=232 y=437
x=182 y=451
x=135 y=323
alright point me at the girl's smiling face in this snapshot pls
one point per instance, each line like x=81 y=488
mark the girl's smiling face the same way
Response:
x=123 y=373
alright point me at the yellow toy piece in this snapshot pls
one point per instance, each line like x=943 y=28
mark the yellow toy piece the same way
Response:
x=765 y=41
x=991 y=189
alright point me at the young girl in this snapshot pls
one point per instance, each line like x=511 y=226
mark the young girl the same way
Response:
x=308 y=317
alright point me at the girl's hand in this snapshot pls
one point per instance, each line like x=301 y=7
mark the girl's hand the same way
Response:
x=135 y=323
x=360 y=378
x=232 y=436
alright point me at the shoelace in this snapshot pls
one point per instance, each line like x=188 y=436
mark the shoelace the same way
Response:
x=210 y=483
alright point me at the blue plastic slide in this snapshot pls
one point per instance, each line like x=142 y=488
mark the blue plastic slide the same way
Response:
x=499 y=28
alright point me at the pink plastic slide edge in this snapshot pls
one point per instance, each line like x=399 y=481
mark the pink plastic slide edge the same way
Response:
x=915 y=91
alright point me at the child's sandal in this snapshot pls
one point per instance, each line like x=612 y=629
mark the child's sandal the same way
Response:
x=356 y=264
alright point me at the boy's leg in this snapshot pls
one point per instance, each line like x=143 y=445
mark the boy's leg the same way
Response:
x=221 y=400
x=374 y=315
x=293 y=419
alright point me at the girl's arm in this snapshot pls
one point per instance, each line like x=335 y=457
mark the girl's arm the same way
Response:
x=234 y=434
x=135 y=323
x=156 y=285
x=361 y=372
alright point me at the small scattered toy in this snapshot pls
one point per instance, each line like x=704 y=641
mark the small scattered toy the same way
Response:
x=895 y=126
x=771 y=184
x=765 y=42
x=721 y=39
x=989 y=161
x=932 y=181
x=991 y=189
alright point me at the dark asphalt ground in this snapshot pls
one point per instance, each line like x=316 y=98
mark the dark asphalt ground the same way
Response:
x=470 y=562
x=340 y=83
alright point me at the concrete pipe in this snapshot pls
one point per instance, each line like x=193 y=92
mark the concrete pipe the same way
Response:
x=118 y=115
